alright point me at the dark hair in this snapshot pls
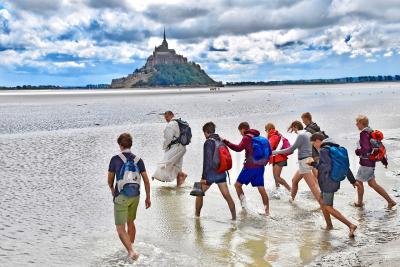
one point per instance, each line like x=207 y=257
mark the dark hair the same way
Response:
x=168 y=113
x=209 y=127
x=244 y=125
x=125 y=140
x=307 y=116
x=317 y=136
x=296 y=124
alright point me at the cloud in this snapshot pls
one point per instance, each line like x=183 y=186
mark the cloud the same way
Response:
x=168 y=14
x=232 y=35
x=37 y=6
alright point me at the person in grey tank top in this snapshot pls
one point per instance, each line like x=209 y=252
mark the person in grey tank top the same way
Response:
x=304 y=152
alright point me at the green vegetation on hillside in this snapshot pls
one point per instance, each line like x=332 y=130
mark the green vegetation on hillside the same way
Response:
x=179 y=75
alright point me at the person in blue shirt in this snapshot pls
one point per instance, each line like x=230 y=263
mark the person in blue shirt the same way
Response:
x=126 y=200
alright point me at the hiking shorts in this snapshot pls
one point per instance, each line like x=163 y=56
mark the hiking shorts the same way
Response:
x=217 y=179
x=327 y=198
x=304 y=168
x=125 y=209
x=365 y=174
x=255 y=176
x=281 y=163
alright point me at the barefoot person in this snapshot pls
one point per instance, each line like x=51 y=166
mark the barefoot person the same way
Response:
x=210 y=174
x=304 y=150
x=366 y=171
x=128 y=170
x=333 y=160
x=312 y=127
x=171 y=167
x=277 y=141
x=252 y=172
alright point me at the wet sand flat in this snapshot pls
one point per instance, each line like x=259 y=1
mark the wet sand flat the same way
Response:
x=56 y=208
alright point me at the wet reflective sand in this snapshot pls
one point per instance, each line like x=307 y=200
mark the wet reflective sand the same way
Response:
x=56 y=208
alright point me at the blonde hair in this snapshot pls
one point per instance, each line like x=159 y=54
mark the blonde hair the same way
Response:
x=269 y=126
x=363 y=120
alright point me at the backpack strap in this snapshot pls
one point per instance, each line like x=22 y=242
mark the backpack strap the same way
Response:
x=136 y=160
x=122 y=157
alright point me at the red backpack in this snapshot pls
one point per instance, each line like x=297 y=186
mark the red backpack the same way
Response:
x=378 y=152
x=222 y=159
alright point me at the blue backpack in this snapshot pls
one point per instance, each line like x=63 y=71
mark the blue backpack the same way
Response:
x=340 y=163
x=261 y=150
x=129 y=176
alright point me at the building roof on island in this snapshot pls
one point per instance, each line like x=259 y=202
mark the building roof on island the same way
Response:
x=164 y=46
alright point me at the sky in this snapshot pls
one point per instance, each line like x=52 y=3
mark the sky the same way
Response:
x=79 y=42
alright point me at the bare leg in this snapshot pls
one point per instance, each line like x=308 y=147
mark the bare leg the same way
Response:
x=199 y=199
x=265 y=200
x=277 y=170
x=373 y=184
x=335 y=213
x=295 y=184
x=126 y=241
x=132 y=231
x=310 y=180
x=360 y=195
x=240 y=193
x=327 y=216
x=223 y=188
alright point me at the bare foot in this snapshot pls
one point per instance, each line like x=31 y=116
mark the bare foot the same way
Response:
x=266 y=210
x=358 y=205
x=352 y=230
x=391 y=205
x=329 y=227
x=133 y=255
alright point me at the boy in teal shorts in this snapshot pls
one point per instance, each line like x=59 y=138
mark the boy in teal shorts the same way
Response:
x=126 y=170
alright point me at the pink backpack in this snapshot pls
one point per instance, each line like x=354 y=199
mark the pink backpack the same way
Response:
x=283 y=144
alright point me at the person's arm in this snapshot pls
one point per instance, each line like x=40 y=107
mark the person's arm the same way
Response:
x=168 y=136
x=365 y=146
x=111 y=177
x=385 y=162
x=325 y=163
x=147 y=189
x=350 y=177
x=207 y=158
x=291 y=149
x=241 y=146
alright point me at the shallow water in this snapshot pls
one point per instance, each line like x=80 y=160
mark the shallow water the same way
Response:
x=56 y=208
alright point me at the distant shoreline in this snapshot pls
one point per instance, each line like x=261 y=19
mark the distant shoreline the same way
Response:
x=346 y=80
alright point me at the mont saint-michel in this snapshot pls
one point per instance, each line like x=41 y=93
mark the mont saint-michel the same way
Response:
x=165 y=68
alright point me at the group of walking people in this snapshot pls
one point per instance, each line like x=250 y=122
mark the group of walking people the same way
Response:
x=322 y=162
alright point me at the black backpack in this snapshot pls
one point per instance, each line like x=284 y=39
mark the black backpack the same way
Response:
x=185 y=134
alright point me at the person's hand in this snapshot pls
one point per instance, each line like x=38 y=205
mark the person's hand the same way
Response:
x=147 y=202
x=203 y=181
x=112 y=191
x=309 y=162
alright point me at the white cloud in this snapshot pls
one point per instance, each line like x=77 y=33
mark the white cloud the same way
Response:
x=244 y=34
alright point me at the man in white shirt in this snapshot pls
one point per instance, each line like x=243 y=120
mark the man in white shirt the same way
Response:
x=171 y=167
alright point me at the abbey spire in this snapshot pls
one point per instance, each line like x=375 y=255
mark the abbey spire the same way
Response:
x=164 y=42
